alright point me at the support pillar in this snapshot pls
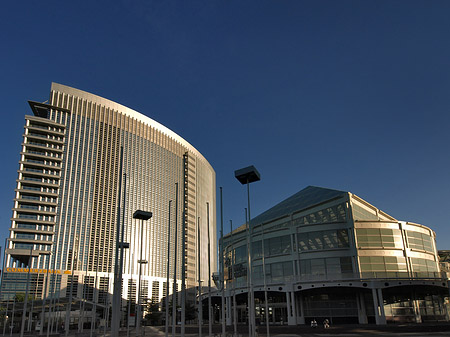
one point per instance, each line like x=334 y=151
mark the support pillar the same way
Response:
x=381 y=303
x=380 y=318
x=416 y=307
x=375 y=306
x=292 y=319
x=362 y=314
x=229 y=318
x=288 y=306
x=301 y=318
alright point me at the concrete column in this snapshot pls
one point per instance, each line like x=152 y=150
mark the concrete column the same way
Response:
x=292 y=317
x=375 y=306
x=294 y=306
x=288 y=306
x=381 y=303
x=416 y=307
x=301 y=318
x=229 y=317
x=362 y=314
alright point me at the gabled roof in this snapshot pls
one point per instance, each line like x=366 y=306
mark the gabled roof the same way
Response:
x=306 y=198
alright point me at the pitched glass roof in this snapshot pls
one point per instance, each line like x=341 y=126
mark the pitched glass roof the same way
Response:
x=304 y=199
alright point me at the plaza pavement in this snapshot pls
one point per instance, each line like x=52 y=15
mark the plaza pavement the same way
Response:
x=397 y=330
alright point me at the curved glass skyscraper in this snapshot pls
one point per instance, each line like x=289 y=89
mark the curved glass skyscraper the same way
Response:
x=67 y=200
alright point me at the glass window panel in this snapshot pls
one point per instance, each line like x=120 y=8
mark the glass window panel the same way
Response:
x=378 y=267
x=257 y=249
x=432 y=266
x=240 y=254
x=396 y=232
x=364 y=259
x=287 y=268
x=360 y=213
x=373 y=231
x=302 y=241
x=328 y=240
x=386 y=231
x=318 y=267
x=376 y=259
x=390 y=259
x=391 y=267
x=346 y=264
x=376 y=239
x=286 y=244
x=305 y=267
x=315 y=242
x=366 y=267
x=333 y=266
x=361 y=231
x=342 y=237
x=258 y=272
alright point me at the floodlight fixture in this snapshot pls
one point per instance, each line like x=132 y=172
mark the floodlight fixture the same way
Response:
x=142 y=215
x=247 y=174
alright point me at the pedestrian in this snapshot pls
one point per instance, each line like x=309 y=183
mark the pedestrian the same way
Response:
x=326 y=323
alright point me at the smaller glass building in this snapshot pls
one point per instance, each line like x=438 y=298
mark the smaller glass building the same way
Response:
x=328 y=254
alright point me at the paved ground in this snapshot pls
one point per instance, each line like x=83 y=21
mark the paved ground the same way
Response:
x=413 y=330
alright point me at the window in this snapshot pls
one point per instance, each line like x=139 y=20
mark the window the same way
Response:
x=420 y=241
x=329 y=267
x=363 y=213
x=331 y=214
x=382 y=265
x=379 y=238
x=319 y=240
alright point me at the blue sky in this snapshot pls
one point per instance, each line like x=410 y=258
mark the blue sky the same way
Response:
x=350 y=95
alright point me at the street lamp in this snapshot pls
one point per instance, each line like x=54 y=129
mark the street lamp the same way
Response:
x=246 y=176
x=143 y=216
x=33 y=253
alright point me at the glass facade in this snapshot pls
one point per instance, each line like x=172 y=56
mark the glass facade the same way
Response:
x=338 y=258
x=420 y=241
x=383 y=266
x=69 y=184
x=379 y=238
x=320 y=240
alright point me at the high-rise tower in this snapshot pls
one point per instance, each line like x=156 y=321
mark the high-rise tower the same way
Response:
x=67 y=196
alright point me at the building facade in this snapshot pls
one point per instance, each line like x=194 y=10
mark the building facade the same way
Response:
x=328 y=254
x=78 y=152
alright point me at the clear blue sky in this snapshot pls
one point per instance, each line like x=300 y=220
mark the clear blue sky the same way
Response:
x=351 y=95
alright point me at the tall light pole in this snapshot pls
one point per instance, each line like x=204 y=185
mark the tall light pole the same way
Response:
x=141 y=215
x=117 y=290
x=200 y=303
x=175 y=286
x=222 y=278
x=209 y=274
x=233 y=281
x=25 y=302
x=246 y=176
x=168 y=273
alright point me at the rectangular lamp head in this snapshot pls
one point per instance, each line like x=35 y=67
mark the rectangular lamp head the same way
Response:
x=247 y=175
x=142 y=215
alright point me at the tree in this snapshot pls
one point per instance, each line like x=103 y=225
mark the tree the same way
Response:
x=191 y=312
x=20 y=297
x=154 y=314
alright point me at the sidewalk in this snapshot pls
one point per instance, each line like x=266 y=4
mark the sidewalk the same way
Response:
x=426 y=329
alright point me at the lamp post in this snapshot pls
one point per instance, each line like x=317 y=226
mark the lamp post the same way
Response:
x=246 y=176
x=141 y=215
x=118 y=265
x=25 y=302
x=168 y=273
